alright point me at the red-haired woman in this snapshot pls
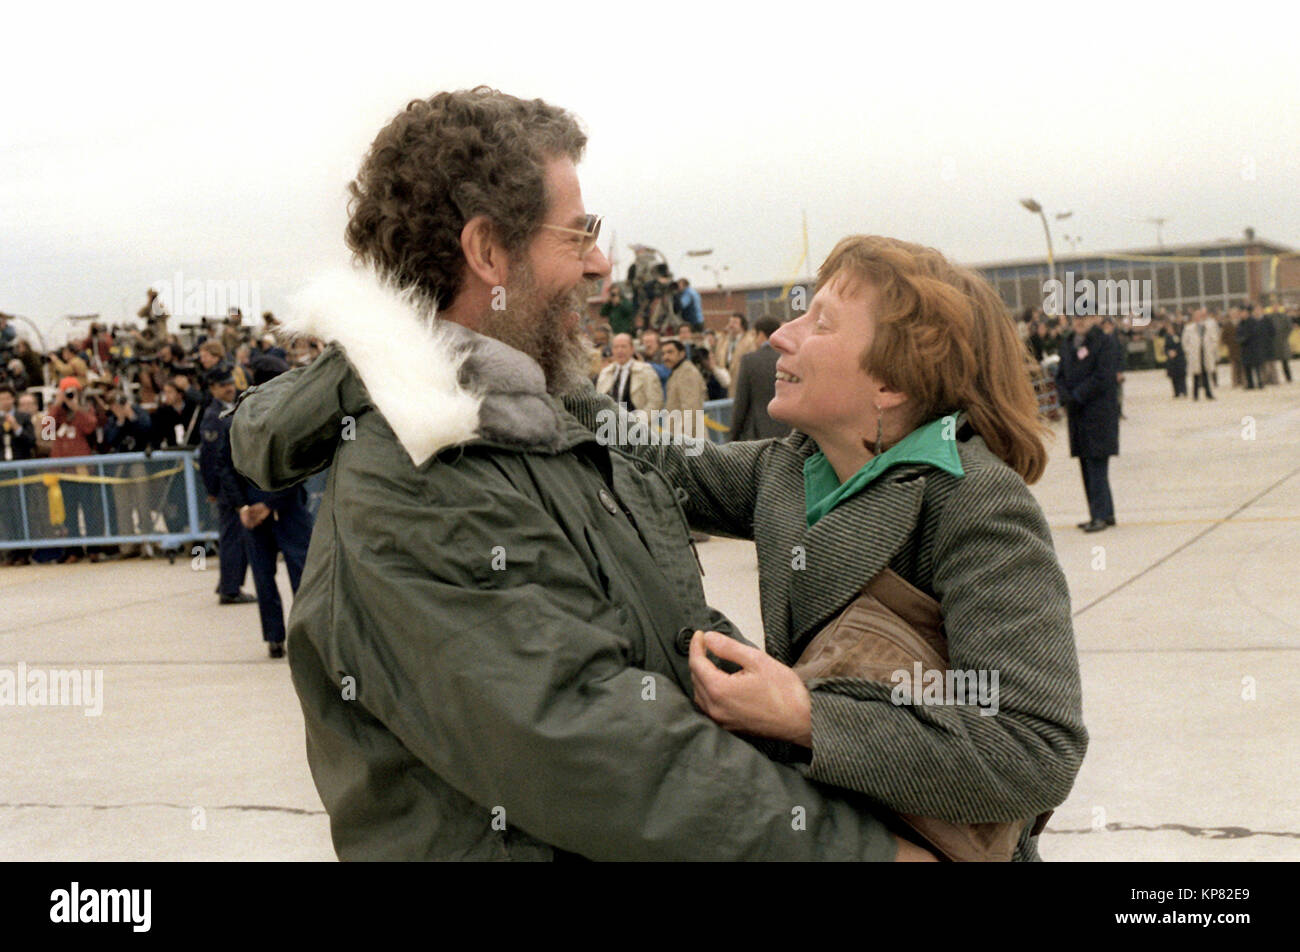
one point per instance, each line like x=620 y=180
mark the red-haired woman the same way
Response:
x=916 y=430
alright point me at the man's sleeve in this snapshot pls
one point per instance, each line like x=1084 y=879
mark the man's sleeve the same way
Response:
x=515 y=686
x=233 y=490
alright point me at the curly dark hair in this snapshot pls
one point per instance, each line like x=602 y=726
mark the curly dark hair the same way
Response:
x=445 y=160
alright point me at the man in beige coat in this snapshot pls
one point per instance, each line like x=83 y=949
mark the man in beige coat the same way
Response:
x=686 y=392
x=628 y=381
x=1201 y=344
x=739 y=342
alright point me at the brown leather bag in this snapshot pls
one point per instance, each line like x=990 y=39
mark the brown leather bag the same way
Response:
x=889 y=627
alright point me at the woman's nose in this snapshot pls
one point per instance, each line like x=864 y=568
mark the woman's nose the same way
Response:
x=785 y=338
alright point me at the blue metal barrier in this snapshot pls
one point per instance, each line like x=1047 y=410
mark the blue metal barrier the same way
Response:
x=112 y=499
x=719 y=412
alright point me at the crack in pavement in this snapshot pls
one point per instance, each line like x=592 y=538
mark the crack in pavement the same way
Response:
x=1205 y=832
x=245 y=807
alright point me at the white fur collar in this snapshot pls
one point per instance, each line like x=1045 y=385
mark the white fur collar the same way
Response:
x=409 y=362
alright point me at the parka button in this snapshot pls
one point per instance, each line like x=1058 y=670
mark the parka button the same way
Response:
x=684 y=636
x=608 y=502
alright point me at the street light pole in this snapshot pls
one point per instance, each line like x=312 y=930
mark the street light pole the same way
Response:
x=717 y=273
x=1037 y=209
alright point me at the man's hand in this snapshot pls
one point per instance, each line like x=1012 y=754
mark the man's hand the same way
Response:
x=765 y=698
x=254 y=515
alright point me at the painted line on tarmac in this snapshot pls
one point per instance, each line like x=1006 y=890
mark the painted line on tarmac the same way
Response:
x=1190 y=542
x=1188 y=522
x=1224 y=649
x=98 y=611
x=238 y=807
x=1203 y=832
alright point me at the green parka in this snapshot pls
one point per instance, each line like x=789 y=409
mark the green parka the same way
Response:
x=485 y=641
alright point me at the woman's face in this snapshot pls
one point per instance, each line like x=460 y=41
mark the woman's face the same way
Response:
x=821 y=388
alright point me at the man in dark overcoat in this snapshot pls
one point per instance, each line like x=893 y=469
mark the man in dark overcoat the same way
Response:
x=1089 y=387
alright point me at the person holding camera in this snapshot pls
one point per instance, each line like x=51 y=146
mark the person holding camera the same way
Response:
x=76 y=418
x=68 y=363
x=128 y=429
x=17 y=442
x=619 y=311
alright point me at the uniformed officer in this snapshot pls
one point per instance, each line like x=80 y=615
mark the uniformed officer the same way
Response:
x=216 y=468
x=1088 y=381
x=276 y=523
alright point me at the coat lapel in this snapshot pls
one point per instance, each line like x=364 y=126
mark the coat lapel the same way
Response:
x=779 y=527
x=851 y=544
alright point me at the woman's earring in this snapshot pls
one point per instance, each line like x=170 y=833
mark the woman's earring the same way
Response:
x=880 y=430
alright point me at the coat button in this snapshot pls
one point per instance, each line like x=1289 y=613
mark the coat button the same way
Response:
x=683 y=641
x=608 y=502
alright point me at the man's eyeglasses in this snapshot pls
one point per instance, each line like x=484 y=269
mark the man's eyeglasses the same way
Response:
x=589 y=232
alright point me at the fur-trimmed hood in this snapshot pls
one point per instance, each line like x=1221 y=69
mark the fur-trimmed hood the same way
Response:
x=437 y=384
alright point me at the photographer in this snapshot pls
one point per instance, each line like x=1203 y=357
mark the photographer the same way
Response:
x=232 y=332
x=174 y=420
x=33 y=363
x=68 y=363
x=127 y=430
x=171 y=360
x=126 y=427
x=14 y=374
x=76 y=418
x=716 y=379
x=17 y=431
x=149 y=377
x=17 y=442
x=618 y=311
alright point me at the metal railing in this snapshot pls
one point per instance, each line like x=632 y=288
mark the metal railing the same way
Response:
x=717 y=417
x=112 y=499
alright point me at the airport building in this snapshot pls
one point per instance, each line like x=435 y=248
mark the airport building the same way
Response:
x=1215 y=275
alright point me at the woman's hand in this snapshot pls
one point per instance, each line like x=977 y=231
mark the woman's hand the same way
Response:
x=765 y=698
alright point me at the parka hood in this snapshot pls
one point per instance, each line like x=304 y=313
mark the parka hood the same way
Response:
x=437 y=384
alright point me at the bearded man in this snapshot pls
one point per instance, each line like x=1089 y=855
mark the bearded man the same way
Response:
x=490 y=637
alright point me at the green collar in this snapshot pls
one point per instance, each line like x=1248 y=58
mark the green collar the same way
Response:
x=934 y=444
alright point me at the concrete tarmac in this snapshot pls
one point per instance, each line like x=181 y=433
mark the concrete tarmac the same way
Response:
x=1187 y=616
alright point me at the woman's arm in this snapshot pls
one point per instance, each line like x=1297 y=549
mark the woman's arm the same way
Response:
x=720 y=483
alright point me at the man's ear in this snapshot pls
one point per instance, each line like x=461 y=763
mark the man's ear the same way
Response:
x=484 y=255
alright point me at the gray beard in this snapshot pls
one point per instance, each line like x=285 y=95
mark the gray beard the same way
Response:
x=536 y=327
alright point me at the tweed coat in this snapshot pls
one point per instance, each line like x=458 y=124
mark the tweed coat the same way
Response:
x=981 y=546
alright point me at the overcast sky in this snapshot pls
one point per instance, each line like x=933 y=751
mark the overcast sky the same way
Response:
x=138 y=141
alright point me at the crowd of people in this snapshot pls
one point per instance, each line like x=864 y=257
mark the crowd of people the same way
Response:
x=1255 y=341
x=677 y=368
x=118 y=389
